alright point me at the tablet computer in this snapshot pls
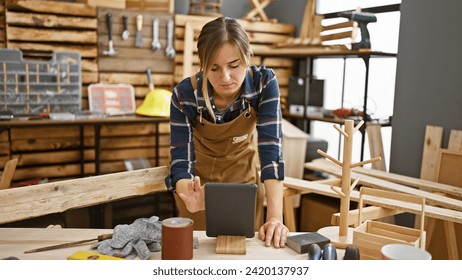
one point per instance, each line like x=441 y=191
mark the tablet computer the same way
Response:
x=230 y=209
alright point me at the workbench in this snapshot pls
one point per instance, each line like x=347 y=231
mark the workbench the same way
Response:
x=14 y=241
x=89 y=120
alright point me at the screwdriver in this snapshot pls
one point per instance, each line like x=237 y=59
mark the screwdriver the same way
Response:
x=70 y=244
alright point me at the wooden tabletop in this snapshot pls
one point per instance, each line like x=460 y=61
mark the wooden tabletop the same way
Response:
x=14 y=241
x=83 y=120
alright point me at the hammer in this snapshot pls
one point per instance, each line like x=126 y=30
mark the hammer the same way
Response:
x=111 y=51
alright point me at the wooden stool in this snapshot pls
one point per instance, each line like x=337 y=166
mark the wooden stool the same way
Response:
x=205 y=7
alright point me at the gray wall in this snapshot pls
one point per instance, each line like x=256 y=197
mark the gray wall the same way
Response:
x=428 y=88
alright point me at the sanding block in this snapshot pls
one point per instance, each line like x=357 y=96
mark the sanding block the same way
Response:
x=300 y=242
x=82 y=255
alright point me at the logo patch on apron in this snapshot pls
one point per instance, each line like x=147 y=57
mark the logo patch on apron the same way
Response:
x=239 y=139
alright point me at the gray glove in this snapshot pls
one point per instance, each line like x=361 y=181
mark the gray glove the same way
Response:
x=140 y=238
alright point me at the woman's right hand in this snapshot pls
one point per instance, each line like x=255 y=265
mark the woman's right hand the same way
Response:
x=193 y=195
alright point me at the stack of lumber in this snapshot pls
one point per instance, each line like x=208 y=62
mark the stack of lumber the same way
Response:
x=261 y=35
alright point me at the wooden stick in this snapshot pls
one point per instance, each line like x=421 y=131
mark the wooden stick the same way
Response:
x=329 y=157
x=27 y=82
x=346 y=177
x=58 y=78
x=5 y=81
x=8 y=173
x=341 y=131
x=365 y=162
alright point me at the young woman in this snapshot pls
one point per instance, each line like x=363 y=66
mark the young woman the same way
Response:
x=213 y=117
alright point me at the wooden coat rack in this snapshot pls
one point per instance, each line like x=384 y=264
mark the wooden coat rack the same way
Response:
x=342 y=236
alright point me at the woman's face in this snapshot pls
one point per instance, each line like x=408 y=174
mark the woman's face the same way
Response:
x=227 y=72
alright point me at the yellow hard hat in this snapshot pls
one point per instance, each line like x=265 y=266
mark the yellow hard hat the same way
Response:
x=156 y=104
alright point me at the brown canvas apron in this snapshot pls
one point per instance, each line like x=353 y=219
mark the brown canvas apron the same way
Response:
x=226 y=153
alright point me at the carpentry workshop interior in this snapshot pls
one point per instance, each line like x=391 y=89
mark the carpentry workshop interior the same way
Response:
x=371 y=127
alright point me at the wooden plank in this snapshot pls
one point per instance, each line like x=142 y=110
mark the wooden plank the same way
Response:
x=368 y=213
x=345 y=24
x=387 y=185
x=133 y=65
x=56 y=143
x=54 y=157
x=425 y=185
x=336 y=36
x=129 y=153
x=31 y=133
x=89 y=78
x=108 y=167
x=50 y=35
x=432 y=144
x=89 y=65
x=322 y=189
x=61 y=8
x=449 y=167
x=151 y=5
x=50 y=21
x=455 y=140
x=61 y=171
x=256 y=26
x=8 y=173
x=139 y=79
x=117 y=4
x=374 y=134
x=33 y=201
x=189 y=48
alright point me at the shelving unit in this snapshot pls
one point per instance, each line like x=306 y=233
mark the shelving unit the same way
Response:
x=308 y=55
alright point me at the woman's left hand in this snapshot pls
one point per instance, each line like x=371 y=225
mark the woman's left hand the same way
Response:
x=274 y=230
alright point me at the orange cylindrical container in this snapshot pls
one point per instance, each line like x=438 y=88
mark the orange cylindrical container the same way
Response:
x=177 y=239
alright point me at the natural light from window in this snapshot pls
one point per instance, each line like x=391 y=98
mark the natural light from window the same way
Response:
x=382 y=71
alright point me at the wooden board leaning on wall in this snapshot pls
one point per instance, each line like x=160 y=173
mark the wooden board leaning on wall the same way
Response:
x=260 y=34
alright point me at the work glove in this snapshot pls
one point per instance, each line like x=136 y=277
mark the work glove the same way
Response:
x=140 y=238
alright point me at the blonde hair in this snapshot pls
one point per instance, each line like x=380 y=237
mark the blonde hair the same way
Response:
x=213 y=36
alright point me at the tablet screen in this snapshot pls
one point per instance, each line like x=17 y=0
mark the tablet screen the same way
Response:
x=230 y=209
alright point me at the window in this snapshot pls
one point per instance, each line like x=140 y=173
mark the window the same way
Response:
x=382 y=71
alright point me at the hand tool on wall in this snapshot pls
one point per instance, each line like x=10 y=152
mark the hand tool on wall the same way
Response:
x=150 y=81
x=139 y=34
x=362 y=19
x=70 y=244
x=155 y=45
x=125 y=32
x=169 y=50
x=111 y=51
